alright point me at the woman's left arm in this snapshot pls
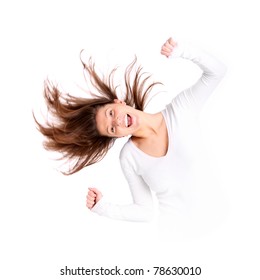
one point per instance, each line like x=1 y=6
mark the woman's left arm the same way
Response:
x=141 y=208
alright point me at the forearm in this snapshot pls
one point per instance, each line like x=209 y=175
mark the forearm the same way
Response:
x=213 y=71
x=131 y=212
x=206 y=61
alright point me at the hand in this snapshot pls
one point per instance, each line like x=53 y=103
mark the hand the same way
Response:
x=167 y=47
x=93 y=196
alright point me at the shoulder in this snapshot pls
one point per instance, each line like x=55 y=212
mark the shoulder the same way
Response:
x=125 y=151
x=126 y=154
x=127 y=158
x=130 y=157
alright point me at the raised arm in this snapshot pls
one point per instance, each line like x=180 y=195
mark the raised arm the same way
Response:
x=213 y=70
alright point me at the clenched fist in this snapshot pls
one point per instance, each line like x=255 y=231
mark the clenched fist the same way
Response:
x=93 y=196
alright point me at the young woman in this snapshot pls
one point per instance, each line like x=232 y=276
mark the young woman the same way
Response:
x=162 y=153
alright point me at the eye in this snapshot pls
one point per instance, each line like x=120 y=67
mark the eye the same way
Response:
x=111 y=113
x=113 y=130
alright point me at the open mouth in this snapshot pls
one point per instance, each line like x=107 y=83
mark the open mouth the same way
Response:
x=128 y=120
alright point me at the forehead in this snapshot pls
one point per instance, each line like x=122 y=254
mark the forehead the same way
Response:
x=101 y=119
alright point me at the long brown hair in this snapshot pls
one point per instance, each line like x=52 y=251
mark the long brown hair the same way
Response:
x=72 y=129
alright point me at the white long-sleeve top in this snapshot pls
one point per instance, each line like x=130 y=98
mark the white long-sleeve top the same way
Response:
x=173 y=177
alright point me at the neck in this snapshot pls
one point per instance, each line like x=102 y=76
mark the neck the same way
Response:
x=150 y=125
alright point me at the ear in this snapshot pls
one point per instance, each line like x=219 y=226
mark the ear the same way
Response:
x=117 y=101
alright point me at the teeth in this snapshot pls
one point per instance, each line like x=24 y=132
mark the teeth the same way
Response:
x=126 y=121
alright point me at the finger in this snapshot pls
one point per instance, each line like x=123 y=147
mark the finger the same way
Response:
x=91 y=194
x=172 y=42
x=169 y=46
x=96 y=191
x=90 y=204
x=90 y=199
x=166 y=49
x=166 y=53
x=169 y=42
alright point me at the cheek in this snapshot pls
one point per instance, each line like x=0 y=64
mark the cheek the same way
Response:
x=121 y=132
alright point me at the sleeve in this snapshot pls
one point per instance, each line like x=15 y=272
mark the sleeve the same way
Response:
x=213 y=70
x=141 y=209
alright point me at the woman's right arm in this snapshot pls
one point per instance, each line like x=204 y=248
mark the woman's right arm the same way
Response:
x=213 y=70
x=140 y=210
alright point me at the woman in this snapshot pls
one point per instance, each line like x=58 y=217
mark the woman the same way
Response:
x=162 y=151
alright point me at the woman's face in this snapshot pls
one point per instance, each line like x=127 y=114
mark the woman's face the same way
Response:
x=117 y=119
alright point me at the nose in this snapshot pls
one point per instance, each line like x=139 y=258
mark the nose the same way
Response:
x=117 y=121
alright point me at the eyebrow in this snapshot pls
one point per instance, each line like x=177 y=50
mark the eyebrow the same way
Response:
x=107 y=118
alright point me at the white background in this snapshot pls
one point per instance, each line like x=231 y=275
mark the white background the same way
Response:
x=44 y=222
